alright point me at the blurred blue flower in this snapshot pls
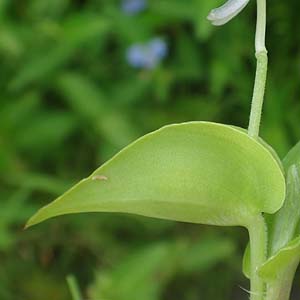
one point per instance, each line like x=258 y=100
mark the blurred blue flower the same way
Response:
x=132 y=7
x=147 y=56
x=158 y=47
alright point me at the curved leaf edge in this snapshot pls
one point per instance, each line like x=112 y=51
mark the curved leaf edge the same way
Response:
x=266 y=145
x=38 y=217
x=281 y=260
x=246 y=262
x=292 y=248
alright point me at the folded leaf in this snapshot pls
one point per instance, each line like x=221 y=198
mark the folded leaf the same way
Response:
x=197 y=172
x=283 y=227
x=279 y=271
x=286 y=258
x=293 y=157
x=284 y=249
x=246 y=262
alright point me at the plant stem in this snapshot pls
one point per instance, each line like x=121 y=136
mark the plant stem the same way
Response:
x=261 y=70
x=258 y=246
x=73 y=286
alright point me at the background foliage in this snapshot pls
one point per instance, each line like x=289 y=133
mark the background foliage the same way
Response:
x=70 y=99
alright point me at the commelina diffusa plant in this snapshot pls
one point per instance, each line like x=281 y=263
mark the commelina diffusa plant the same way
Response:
x=209 y=173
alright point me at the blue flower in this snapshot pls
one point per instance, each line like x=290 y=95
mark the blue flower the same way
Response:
x=132 y=7
x=148 y=55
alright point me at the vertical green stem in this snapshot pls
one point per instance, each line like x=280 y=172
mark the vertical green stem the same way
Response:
x=261 y=70
x=257 y=229
x=258 y=250
x=258 y=94
x=73 y=286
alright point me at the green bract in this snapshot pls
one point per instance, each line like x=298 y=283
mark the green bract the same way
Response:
x=283 y=225
x=246 y=262
x=284 y=236
x=197 y=172
x=279 y=271
x=284 y=231
x=285 y=259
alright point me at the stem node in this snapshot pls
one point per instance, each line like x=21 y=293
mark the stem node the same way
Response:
x=258 y=93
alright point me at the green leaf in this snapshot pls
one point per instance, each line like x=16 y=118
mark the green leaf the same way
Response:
x=284 y=231
x=73 y=287
x=286 y=258
x=293 y=156
x=246 y=262
x=197 y=172
x=283 y=227
x=267 y=146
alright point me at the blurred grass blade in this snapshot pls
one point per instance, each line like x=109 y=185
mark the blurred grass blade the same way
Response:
x=206 y=253
x=74 y=34
x=95 y=108
x=37 y=182
x=135 y=277
x=144 y=273
x=74 y=288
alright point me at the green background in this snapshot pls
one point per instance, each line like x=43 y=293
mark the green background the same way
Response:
x=69 y=101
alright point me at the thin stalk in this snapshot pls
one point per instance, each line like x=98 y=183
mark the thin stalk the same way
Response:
x=73 y=286
x=261 y=70
x=258 y=246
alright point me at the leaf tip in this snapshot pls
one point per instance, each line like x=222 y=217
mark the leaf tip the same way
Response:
x=40 y=216
x=34 y=220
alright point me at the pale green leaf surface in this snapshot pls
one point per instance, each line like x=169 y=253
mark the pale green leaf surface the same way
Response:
x=293 y=157
x=284 y=238
x=283 y=225
x=266 y=145
x=285 y=258
x=197 y=172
